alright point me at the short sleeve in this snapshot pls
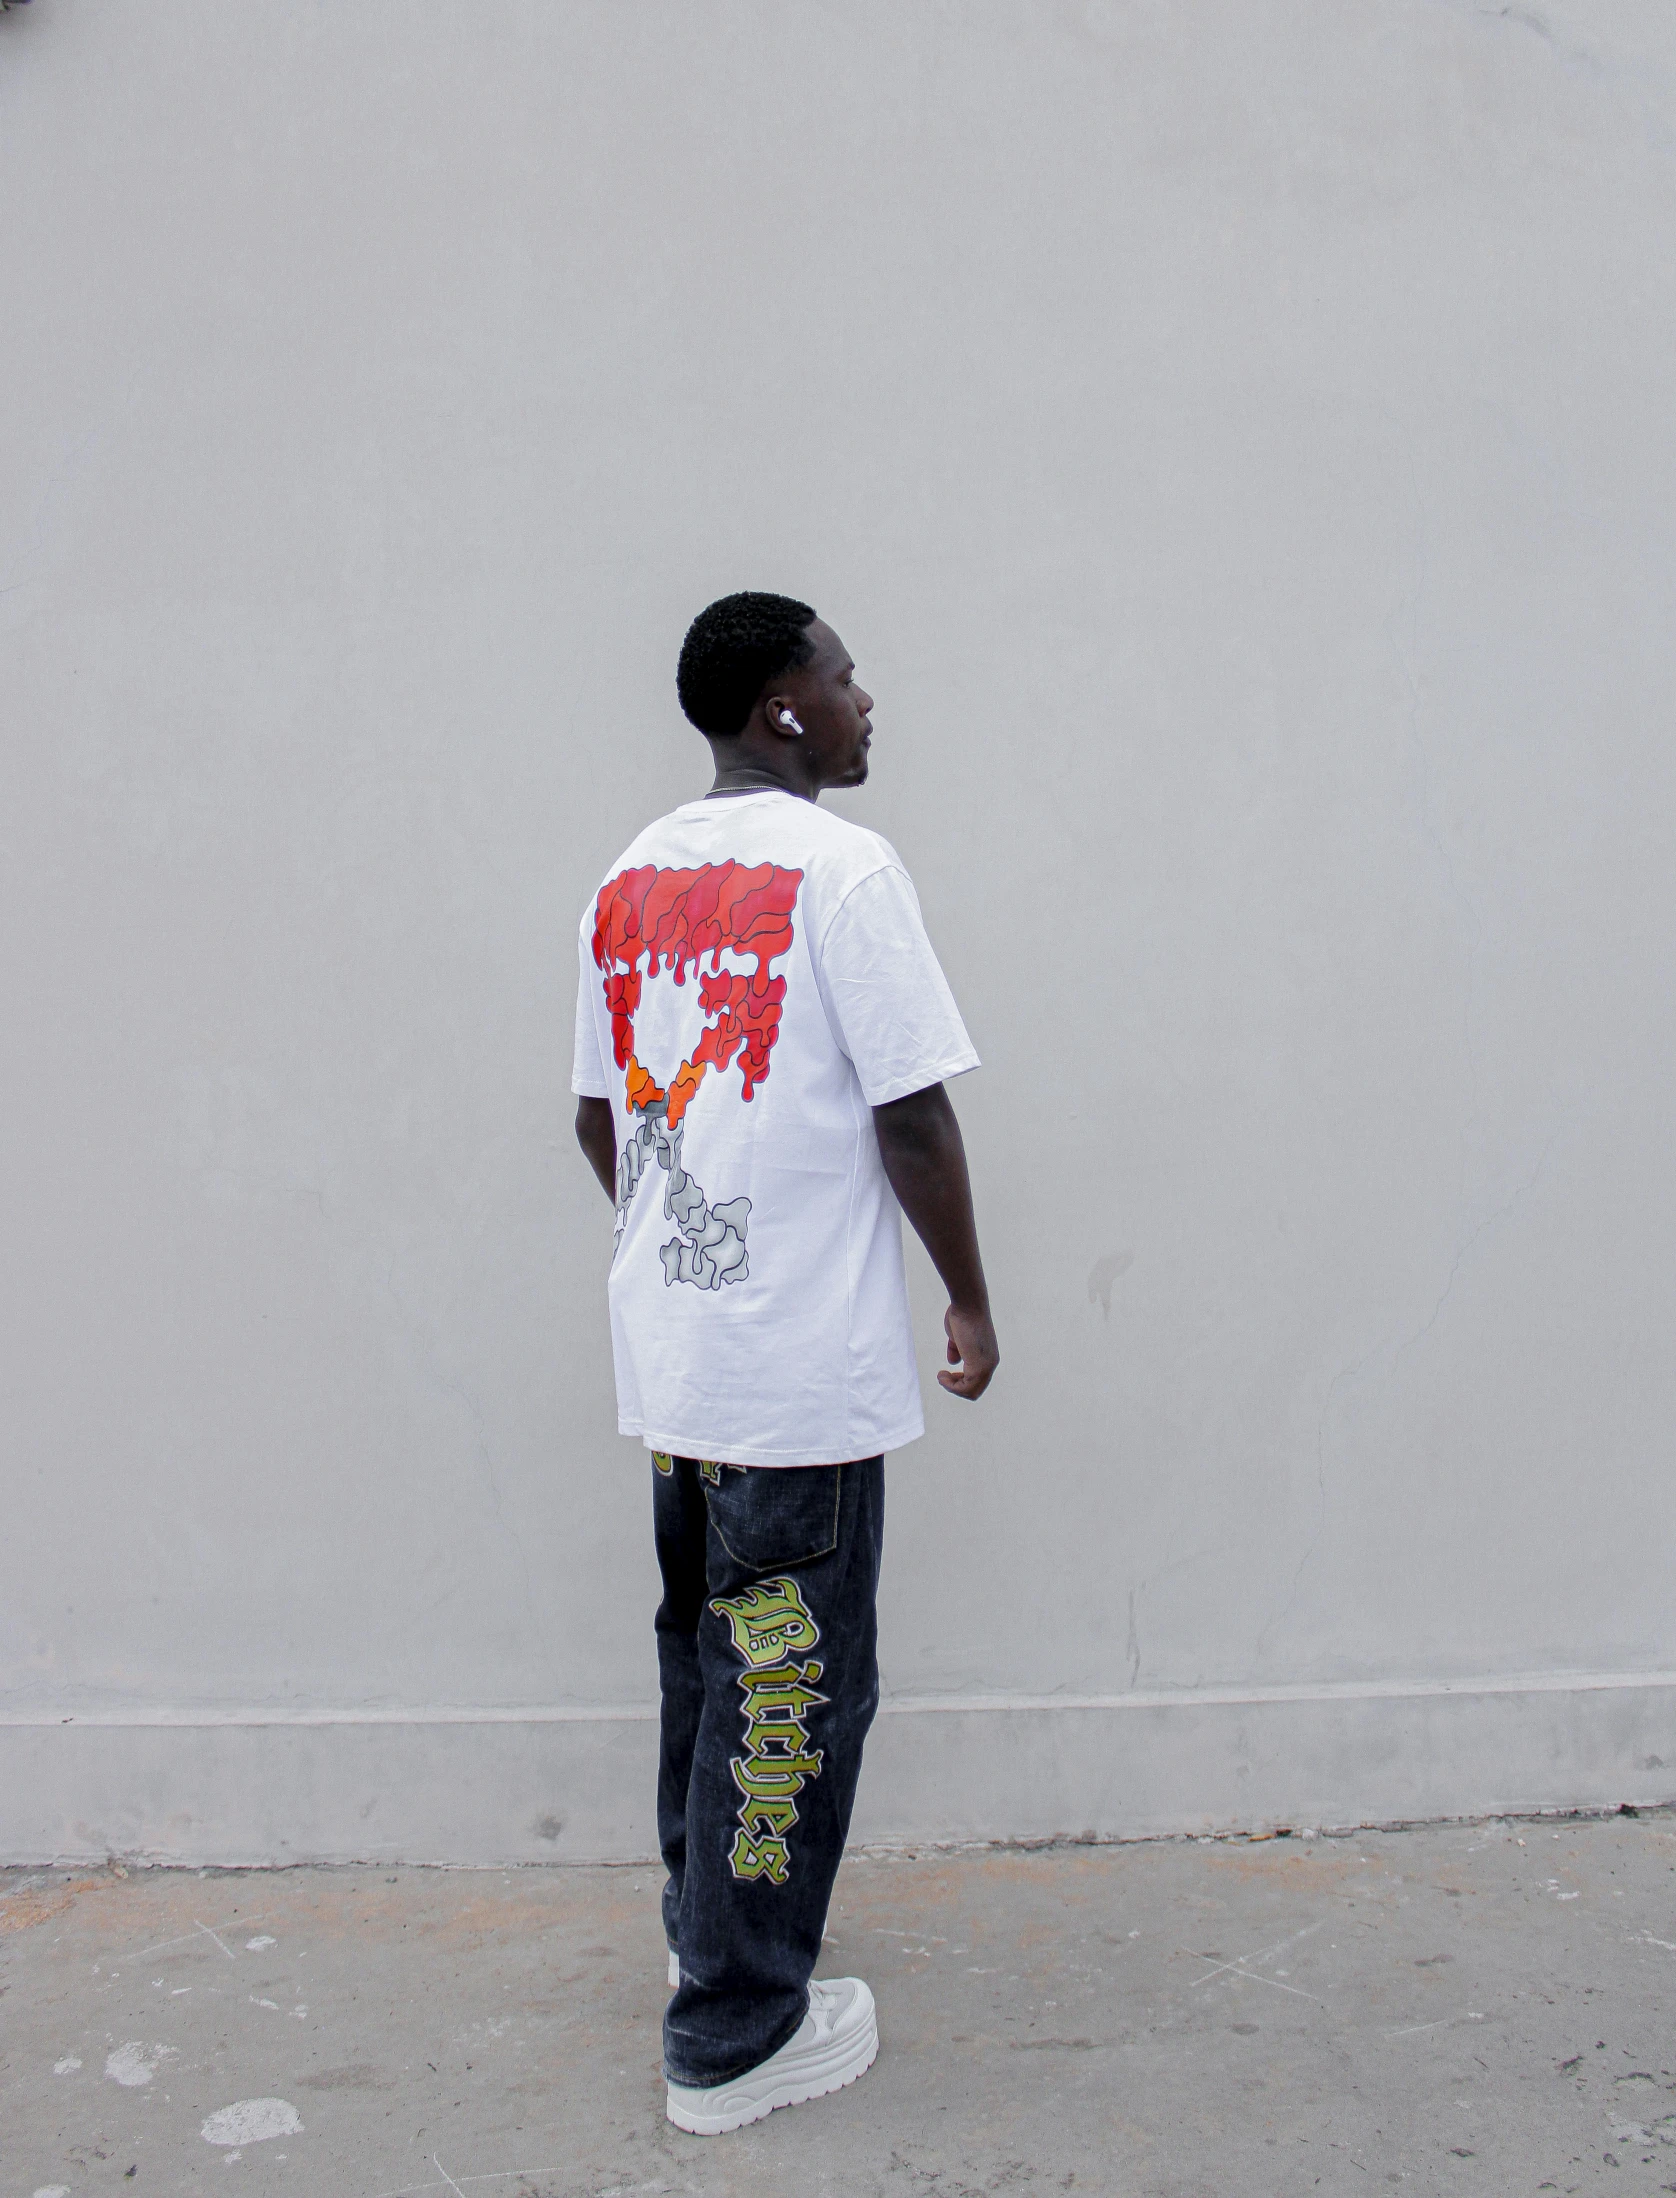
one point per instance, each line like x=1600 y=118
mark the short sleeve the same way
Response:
x=587 y=1076
x=888 y=1000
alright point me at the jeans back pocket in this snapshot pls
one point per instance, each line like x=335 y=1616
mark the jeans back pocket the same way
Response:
x=773 y=1516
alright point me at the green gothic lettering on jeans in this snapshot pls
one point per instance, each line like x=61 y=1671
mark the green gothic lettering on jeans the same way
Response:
x=768 y=1623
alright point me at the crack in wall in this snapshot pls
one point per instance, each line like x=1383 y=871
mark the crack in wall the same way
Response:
x=1489 y=1222
x=1403 y=631
x=1398 y=1352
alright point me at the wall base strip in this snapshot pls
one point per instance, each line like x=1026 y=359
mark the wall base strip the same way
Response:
x=508 y=1787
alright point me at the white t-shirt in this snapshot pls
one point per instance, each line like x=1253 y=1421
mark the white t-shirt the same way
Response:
x=755 y=976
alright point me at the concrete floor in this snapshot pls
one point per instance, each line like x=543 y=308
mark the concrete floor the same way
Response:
x=1465 y=2008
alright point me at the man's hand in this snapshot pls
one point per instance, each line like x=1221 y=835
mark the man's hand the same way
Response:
x=920 y=1145
x=972 y=1348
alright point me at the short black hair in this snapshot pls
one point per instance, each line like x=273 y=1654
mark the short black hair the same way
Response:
x=732 y=650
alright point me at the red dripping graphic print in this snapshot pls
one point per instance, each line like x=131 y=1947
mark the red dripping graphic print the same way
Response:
x=672 y=919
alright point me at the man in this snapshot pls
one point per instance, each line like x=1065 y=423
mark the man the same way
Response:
x=762 y=1038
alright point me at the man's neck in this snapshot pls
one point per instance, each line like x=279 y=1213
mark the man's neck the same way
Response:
x=749 y=774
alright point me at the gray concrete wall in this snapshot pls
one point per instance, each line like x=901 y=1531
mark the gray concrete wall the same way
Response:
x=1236 y=442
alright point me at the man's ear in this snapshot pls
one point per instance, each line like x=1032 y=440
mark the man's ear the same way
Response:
x=781 y=713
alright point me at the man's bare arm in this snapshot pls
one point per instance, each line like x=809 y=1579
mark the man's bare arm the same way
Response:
x=596 y=1133
x=925 y=1160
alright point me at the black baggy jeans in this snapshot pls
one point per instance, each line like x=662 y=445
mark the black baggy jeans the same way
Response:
x=768 y=1656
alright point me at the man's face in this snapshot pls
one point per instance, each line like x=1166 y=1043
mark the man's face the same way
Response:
x=833 y=710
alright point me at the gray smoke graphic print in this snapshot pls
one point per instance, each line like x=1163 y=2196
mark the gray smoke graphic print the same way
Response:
x=710 y=1249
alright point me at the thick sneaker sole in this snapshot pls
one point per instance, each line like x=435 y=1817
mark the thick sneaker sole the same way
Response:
x=757 y=2094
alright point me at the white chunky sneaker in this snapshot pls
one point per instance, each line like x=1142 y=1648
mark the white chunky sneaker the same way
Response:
x=835 y=2044
x=674 y=1968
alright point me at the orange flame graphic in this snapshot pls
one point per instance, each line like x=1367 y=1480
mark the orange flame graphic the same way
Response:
x=676 y=917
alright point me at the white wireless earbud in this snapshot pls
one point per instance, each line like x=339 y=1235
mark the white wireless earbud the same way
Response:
x=790 y=723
